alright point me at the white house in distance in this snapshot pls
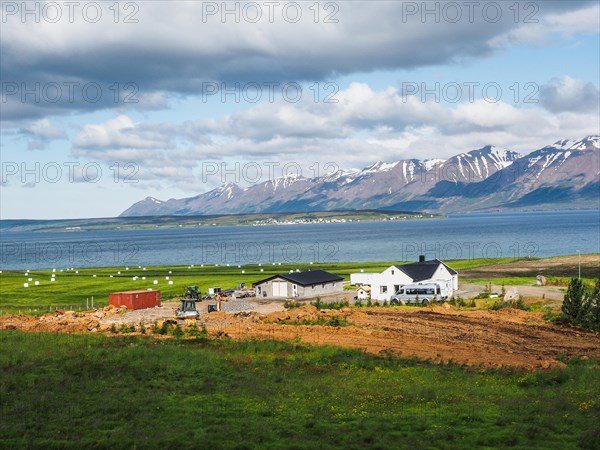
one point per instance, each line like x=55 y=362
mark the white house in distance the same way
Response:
x=385 y=284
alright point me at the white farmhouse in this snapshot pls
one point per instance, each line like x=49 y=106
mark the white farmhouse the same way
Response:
x=386 y=283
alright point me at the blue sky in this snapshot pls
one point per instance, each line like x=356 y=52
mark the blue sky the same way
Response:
x=163 y=144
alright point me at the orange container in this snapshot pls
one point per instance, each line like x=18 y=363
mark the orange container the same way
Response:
x=135 y=299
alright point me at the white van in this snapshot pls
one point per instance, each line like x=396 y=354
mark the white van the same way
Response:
x=417 y=293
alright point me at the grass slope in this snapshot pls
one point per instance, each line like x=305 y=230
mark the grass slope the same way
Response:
x=92 y=391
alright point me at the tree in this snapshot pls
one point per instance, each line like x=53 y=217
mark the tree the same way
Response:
x=594 y=300
x=576 y=304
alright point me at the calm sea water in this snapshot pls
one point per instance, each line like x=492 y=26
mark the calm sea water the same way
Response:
x=462 y=236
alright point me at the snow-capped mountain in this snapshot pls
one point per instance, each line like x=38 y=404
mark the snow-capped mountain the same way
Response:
x=565 y=174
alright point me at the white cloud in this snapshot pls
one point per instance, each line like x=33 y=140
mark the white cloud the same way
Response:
x=351 y=133
x=569 y=94
x=122 y=133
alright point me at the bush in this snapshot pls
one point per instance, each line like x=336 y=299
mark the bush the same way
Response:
x=581 y=305
x=126 y=328
x=333 y=305
x=516 y=304
x=457 y=301
x=290 y=304
x=177 y=332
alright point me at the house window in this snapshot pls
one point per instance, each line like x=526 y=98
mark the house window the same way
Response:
x=383 y=290
x=392 y=272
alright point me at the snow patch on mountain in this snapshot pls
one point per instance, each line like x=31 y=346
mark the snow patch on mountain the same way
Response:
x=381 y=166
x=431 y=163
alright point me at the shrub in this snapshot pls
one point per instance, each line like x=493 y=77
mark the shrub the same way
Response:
x=142 y=328
x=516 y=304
x=113 y=329
x=333 y=305
x=290 y=304
x=318 y=303
x=177 y=331
x=457 y=301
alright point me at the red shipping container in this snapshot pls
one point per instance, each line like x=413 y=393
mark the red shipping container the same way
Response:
x=135 y=299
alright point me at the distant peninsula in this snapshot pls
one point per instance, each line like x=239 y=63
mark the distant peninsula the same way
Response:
x=259 y=219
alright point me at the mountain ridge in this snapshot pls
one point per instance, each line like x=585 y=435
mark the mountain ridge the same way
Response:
x=489 y=178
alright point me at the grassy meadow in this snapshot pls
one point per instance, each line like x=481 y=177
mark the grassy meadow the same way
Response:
x=93 y=391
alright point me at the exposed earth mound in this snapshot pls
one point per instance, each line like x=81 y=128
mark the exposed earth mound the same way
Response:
x=504 y=338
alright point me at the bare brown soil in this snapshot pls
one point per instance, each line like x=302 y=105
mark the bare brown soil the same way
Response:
x=504 y=338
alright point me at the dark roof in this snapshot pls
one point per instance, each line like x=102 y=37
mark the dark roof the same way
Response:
x=307 y=278
x=420 y=271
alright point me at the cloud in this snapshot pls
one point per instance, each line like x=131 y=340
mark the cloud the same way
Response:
x=122 y=133
x=569 y=94
x=539 y=22
x=175 y=47
x=41 y=132
x=363 y=126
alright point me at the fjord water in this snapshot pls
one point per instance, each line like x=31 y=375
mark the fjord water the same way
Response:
x=536 y=234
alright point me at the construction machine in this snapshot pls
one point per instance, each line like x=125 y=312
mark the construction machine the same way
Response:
x=192 y=292
x=187 y=309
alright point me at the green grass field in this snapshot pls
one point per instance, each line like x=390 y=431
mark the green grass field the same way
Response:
x=92 y=391
x=71 y=288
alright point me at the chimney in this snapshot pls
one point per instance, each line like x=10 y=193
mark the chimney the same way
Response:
x=421 y=258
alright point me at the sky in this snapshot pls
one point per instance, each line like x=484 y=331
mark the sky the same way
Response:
x=106 y=103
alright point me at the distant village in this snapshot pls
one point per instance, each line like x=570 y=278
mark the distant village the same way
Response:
x=273 y=221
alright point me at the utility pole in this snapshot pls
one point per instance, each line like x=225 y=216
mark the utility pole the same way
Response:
x=579 y=259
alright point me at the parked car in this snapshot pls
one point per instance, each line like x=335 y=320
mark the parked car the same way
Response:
x=422 y=294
